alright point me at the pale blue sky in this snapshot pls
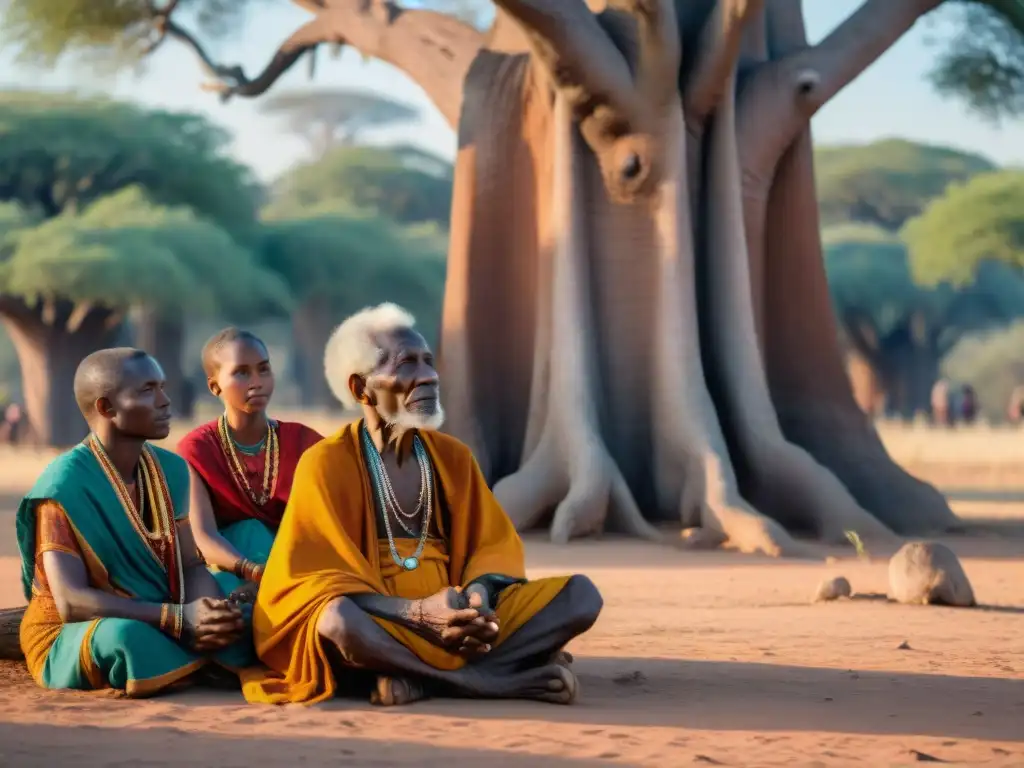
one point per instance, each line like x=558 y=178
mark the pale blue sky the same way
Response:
x=891 y=99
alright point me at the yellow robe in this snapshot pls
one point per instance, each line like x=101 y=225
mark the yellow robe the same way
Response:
x=328 y=547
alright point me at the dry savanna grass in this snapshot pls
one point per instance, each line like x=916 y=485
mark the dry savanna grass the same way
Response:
x=706 y=658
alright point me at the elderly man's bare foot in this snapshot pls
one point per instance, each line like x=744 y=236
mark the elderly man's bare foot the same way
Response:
x=555 y=684
x=397 y=691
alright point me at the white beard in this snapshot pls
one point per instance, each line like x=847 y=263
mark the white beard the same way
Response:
x=407 y=420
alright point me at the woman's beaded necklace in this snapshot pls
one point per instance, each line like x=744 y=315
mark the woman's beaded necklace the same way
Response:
x=389 y=501
x=271 y=462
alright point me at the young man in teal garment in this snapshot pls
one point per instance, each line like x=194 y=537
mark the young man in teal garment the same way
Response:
x=118 y=595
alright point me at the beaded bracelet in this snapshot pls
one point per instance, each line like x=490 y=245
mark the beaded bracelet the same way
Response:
x=172 y=620
x=247 y=570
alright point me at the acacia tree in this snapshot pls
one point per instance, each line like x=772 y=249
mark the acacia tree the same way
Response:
x=394 y=182
x=60 y=155
x=973 y=224
x=69 y=281
x=337 y=261
x=887 y=182
x=633 y=214
x=337 y=117
x=898 y=329
x=225 y=279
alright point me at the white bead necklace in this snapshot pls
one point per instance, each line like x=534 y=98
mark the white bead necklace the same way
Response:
x=385 y=494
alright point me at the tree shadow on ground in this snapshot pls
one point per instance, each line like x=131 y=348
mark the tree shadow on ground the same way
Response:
x=44 y=746
x=674 y=693
x=734 y=696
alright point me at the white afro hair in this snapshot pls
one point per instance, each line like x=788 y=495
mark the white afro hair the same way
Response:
x=352 y=348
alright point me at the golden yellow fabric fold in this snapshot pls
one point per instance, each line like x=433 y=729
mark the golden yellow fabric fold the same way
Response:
x=517 y=604
x=328 y=547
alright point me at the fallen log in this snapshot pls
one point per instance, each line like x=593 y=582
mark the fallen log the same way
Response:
x=10 y=625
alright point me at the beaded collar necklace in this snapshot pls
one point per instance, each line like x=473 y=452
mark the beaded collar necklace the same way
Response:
x=271 y=462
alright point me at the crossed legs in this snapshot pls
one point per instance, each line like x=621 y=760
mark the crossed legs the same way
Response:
x=524 y=666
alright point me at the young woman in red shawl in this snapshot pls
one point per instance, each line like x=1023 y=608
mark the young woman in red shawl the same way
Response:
x=241 y=463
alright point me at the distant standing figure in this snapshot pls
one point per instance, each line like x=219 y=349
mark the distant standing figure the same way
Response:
x=968 y=404
x=940 y=402
x=10 y=429
x=1015 y=412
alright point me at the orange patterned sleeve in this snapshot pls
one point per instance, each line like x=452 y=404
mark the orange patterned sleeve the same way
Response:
x=53 y=530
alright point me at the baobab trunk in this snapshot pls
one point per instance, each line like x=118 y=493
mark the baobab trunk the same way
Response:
x=51 y=339
x=311 y=327
x=161 y=333
x=636 y=330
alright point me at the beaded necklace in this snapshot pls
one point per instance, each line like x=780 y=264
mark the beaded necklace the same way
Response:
x=161 y=541
x=271 y=462
x=389 y=502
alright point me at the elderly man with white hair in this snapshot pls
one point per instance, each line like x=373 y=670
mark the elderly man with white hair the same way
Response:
x=395 y=567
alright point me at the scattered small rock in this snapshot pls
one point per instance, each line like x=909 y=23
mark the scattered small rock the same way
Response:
x=701 y=538
x=924 y=757
x=925 y=572
x=706 y=760
x=904 y=646
x=833 y=589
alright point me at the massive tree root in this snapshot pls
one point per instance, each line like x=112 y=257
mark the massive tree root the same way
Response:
x=781 y=479
x=633 y=214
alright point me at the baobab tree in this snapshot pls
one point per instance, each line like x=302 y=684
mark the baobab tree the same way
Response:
x=636 y=326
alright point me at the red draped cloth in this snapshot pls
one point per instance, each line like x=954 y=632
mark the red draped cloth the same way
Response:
x=201 y=448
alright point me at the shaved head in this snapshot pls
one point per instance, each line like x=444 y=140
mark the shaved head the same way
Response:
x=101 y=374
x=121 y=391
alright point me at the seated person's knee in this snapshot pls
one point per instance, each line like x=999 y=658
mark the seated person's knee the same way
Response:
x=585 y=602
x=338 y=621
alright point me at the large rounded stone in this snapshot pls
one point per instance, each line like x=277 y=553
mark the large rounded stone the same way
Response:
x=924 y=572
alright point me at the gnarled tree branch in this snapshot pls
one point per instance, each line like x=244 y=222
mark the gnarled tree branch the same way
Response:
x=782 y=95
x=433 y=49
x=717 y=52
x=621 y=116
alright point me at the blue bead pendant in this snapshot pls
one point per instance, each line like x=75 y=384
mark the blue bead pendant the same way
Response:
x=411 y=563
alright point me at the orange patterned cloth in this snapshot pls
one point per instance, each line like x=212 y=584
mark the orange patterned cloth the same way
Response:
x=41 y=623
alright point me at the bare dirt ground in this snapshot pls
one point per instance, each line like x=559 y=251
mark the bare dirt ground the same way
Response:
x=698 y=658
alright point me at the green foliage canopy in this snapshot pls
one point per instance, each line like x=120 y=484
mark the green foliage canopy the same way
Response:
x=123 y=250
x=109 y=33
x=873 y=289
x=395 y=184
x=976 y=222
x=59 y=152
x=983 y=63
x=887 y=182
x=353 y=259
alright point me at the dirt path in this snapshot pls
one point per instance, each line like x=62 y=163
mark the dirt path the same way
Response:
x=698 y=659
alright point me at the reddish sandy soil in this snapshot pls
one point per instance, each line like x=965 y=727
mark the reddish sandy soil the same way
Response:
x=698 y=658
